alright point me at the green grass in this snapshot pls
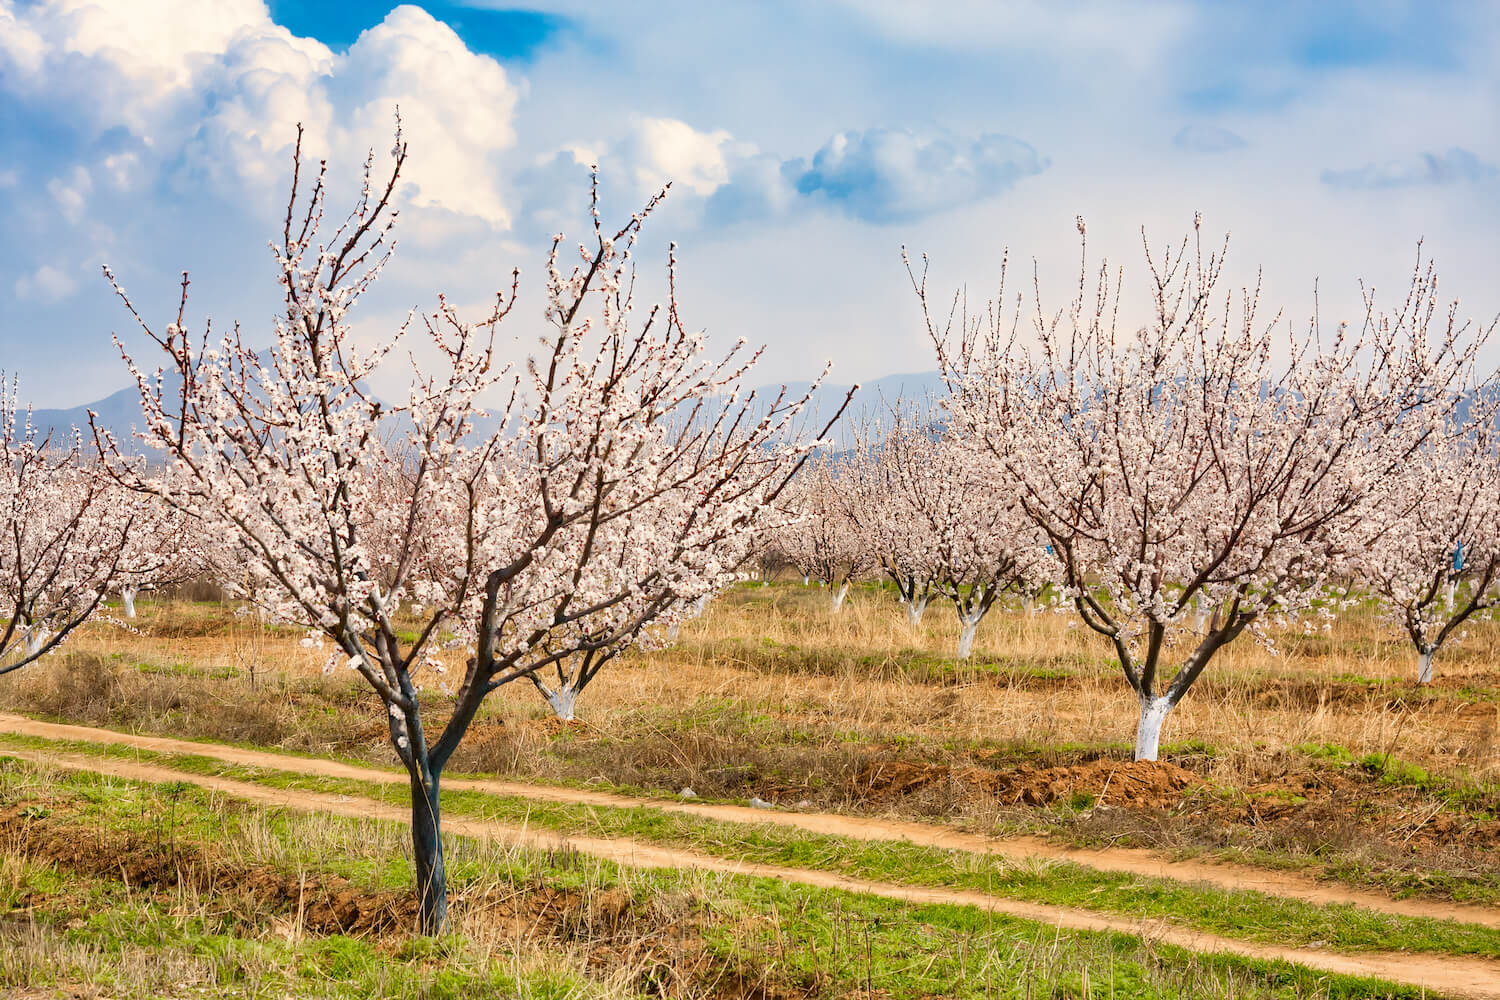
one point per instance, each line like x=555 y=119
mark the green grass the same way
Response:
x=790 y=938
x=1243 y=914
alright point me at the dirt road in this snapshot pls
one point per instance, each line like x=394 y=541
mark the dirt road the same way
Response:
x=1452 y=975
x=1020 y=849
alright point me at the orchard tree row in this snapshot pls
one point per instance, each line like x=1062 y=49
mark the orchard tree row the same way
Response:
x=1175 y=484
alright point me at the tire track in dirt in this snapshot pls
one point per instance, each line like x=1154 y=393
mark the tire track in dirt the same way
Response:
x=1457 y=976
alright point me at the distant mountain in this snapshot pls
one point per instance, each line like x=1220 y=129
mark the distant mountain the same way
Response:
x=118 y=412
x=121 y=411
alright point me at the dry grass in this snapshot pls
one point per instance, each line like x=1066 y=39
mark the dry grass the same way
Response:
x=771 y=694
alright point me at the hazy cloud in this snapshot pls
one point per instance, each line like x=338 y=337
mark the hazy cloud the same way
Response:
x=1455 y=166
x=1207 y=139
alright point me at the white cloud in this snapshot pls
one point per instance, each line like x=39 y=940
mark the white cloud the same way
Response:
x=665 y=149
x=71 y=193
x=46 y=284
x=223 y=87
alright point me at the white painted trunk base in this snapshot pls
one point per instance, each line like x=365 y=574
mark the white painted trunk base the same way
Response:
x=127 y=598
x=36 y=638
x=839 y=593
x=1154 y=712
x=1424 y=666
x=966 y=637
x=914 y=611
x=560 y=701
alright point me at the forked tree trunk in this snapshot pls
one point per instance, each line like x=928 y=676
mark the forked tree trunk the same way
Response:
x=562 y=700
x=1154 y=712
x=838 y=594
x=427 y=855
x=1424 y=665
x=127 y=599
x=806 y=579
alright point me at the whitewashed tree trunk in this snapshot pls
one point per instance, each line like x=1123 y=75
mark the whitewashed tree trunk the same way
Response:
x=805 y=579
x=127 y=598
x=915 y=610
x=839 y=593
x=36 y=638
x=700 y=605
x=1148 y=731
x=1451 y=593
x=1424 y=665
x=966 y=634
x=672 y=631
x=560 y=701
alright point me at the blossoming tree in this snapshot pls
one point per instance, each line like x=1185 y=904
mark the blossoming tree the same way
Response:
x=591 y=497
x=1198 y=454
x=62 y=537
x=1432 y=555
x=820 y=539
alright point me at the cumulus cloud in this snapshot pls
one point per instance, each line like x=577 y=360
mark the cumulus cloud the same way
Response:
x=1206 y=139
x=1455 y=166
x=222 y=87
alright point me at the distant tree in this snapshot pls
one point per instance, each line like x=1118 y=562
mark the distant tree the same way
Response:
x=821 y=540
x=62 y=537
x=595 y=496
x=1432 y=549
x=877 y=503
x=941 y=525
x=1196 y=455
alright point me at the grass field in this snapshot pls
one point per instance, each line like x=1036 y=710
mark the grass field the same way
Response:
x=1322 y=762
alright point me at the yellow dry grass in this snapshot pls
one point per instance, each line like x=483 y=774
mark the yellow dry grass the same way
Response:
x=864 y=675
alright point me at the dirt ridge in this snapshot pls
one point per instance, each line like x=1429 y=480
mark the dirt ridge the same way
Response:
x=1458 y=976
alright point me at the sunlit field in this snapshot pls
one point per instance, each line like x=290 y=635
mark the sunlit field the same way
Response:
x=1319 y=757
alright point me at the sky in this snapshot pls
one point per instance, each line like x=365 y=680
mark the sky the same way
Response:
x=807 y=142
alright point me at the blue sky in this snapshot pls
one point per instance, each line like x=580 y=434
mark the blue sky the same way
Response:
x=808 y=141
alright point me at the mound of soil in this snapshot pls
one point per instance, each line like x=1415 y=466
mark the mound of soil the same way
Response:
x=1137 y=784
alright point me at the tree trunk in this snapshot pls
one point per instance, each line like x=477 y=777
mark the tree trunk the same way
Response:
x=839 y=593
x=915 y=608
x=966 y=636
x=427 y=854
x=805 y=579
x=36 y=638
x=561 y=701
x=127 y=598
x=1148 y=730
x=1424 y=665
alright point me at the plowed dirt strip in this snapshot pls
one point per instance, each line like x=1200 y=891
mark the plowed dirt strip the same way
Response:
x=1450 y=975
x=1018 y=849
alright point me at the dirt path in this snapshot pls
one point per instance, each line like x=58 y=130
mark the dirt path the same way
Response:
x=1451 y=975
x=1019 y=849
